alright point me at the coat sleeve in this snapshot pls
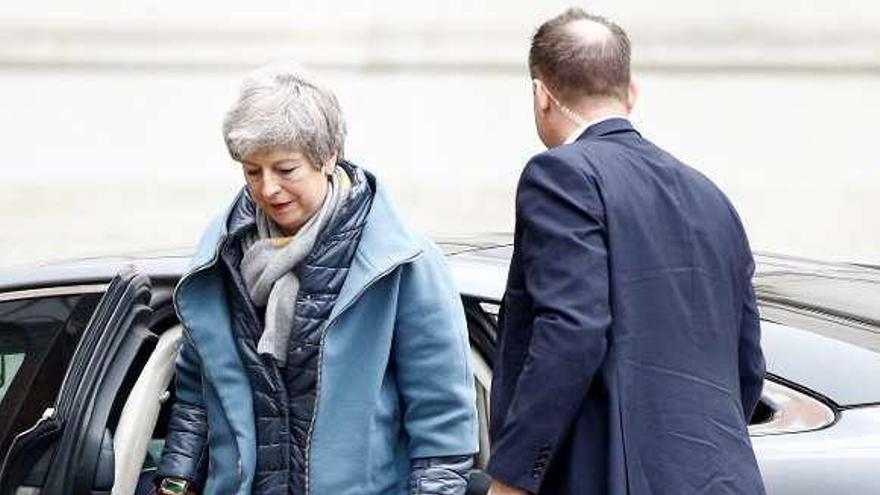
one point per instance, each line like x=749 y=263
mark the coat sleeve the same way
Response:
x=563 y=252
x=185 y=455
x=751 y=358
x=431 y=361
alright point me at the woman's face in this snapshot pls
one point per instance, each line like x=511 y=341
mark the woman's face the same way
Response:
x=286 y=185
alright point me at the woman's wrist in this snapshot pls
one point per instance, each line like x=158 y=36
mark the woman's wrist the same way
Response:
x=175 y=486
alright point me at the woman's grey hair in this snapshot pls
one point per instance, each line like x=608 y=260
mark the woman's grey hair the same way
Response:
x=283 y=107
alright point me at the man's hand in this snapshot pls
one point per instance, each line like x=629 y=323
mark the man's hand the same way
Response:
x=499 y=488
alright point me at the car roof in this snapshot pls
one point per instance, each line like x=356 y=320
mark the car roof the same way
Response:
x=786 y=274
x=479 y=264
x=160 y=264
x=484 y=254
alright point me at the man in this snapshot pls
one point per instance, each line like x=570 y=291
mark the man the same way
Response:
x=629 y=356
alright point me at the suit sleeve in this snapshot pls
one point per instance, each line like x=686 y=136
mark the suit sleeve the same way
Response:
x=565 y=265
x=185 y=455
x=431 y=362
x=751 y=358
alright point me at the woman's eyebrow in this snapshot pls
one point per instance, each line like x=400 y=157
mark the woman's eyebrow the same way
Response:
x=273 y=164
x=285 y=160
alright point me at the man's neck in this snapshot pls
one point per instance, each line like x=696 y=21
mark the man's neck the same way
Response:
x=591 y=119
x=595 y=113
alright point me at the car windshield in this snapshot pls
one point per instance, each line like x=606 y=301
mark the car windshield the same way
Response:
x=840 y=306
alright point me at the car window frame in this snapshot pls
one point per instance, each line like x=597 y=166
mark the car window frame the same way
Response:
x=40 y=294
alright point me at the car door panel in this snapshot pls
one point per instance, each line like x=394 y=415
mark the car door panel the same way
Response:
x=28 y=459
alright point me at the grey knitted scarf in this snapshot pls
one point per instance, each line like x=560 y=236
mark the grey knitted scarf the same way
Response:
x=269 y=261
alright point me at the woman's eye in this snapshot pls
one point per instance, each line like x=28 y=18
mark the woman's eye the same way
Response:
x=287 y=171
x=252 y=173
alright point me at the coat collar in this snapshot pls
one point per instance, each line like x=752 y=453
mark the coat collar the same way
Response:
x=606 y=127
x=386 y=242
x=213 y=237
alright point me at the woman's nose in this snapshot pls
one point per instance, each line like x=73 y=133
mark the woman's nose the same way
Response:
x=270 y=186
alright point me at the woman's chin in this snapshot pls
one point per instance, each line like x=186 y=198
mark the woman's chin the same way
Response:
x=288 y=226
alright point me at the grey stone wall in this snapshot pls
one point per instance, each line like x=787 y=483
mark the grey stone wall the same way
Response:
x=483 y=36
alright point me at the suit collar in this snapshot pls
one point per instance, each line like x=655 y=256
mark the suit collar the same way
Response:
x=610 y=126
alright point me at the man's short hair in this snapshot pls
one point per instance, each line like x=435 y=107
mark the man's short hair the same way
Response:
x=576 y=67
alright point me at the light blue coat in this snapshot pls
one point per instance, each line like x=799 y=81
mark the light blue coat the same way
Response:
x=395 y=382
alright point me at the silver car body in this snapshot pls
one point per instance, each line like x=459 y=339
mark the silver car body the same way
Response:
x=821 y=435
x=824 y=434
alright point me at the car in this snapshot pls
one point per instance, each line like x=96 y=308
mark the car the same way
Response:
x=87 y=352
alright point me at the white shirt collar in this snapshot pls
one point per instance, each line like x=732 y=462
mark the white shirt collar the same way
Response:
x=580 y=130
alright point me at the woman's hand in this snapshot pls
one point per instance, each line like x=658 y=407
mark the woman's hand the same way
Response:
x=499 y=488
x=440 y=475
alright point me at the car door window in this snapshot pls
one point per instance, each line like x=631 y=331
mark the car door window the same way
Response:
x=37 y=338
x=10 y=362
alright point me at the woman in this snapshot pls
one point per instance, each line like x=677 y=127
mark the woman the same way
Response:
x=325 y=348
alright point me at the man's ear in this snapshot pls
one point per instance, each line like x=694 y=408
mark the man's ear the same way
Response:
x=542 y=97
x=632 y=96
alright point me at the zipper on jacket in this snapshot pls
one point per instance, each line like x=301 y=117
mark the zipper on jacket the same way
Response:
x=275 y=378
x=324 y=331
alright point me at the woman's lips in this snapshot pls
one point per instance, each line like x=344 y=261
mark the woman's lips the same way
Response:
x=281 y=207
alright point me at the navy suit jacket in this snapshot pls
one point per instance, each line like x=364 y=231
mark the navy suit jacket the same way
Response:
x=629 y=356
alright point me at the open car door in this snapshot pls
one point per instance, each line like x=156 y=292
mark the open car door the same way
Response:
x=70 y=450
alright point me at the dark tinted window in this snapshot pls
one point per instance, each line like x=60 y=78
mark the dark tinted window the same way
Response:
x=37 y=340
